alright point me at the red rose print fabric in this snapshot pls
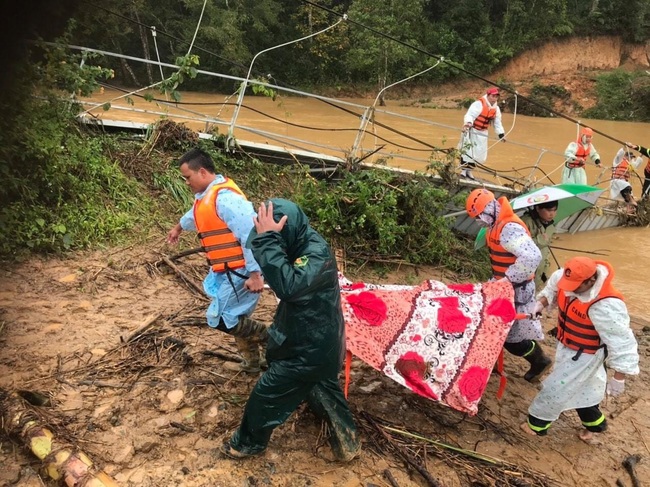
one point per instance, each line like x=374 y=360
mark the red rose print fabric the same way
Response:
x=439 y=341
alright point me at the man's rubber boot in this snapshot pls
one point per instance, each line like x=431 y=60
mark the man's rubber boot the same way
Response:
x=249 y=351
x=539 y=362
x=256 y=334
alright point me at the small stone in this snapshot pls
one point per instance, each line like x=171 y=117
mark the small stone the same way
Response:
x=124 y=455
x=172 y=400
x=185 y=470
x=213 y=412
x=370 y=387
x=137 y=477
x=175 y=396
x=161 y=421
x=101 y=410
x=147 y=446
x=68 y=278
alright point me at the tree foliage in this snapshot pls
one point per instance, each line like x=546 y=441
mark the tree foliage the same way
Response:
x=476 y=35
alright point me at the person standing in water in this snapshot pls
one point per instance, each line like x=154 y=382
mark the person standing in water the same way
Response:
x=474 y=141
x=577 y=153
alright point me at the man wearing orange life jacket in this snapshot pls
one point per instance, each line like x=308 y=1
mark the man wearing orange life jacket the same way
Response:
x=223 y=218
x=474 y=140
x=514 y=256
x=576 y=155
x=622 y=166
x=593 y=330
x=646 y=171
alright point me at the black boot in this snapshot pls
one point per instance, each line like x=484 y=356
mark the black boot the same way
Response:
x=539 y=362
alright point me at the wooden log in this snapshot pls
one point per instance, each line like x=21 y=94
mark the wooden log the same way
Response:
x=389 y=476
x=184 y=276
x=60 y=460
x=185 y=253
x=146 y=324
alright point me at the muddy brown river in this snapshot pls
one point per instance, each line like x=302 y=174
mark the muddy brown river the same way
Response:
x=533 y=149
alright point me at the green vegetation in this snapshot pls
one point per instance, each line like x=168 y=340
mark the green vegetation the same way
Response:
x=67 y=188
x=60 y=188
x=372 y=214
x=622 y=96
x=540 y=96
x=475 y=35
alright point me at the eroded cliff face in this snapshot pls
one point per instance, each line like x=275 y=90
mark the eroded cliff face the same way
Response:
x=575 y=54
x=572 y=63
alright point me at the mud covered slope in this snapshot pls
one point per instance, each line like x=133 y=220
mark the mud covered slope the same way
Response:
x=153 y=410
x=571 y=63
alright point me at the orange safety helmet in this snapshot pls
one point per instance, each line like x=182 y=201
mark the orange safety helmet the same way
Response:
x=477 y=201
x=586 y=131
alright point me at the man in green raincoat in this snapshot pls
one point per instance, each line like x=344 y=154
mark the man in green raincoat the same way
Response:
x=307 y=339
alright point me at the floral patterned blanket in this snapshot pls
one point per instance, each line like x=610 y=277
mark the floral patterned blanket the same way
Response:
x=441 y=341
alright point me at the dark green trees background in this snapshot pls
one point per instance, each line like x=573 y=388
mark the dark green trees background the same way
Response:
x=476 y=35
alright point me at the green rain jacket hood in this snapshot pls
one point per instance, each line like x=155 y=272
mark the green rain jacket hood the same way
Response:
x=308 y=333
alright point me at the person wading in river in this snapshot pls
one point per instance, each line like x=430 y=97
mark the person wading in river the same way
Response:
x=593 y=330
x=514 y=256
x=646 y=171
x=576 y=155
x=623 y=165
x=474 y=141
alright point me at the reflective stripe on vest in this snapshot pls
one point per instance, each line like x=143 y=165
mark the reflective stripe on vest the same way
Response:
x=575 y=329
x=487 y=115
x=581 y=153
x=622 y=171
x=500 y=258
x=222 y=249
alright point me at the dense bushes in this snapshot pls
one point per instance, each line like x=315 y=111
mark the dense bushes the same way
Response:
x=622 y=96
x=372 y=214
x=59 y=188
x=61 y=191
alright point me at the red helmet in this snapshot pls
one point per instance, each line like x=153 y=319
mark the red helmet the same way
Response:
x=477 y=201
x=586 y=131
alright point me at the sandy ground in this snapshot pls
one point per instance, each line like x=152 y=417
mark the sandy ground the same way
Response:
x=153 y=412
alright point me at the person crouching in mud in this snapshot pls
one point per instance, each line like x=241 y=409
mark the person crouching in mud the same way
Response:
x=593 y=330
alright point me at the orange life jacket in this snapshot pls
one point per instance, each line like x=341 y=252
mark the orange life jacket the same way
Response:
x=575 y=329
x=622 y=171
x=500 y=258
x=581 y=155
x=222 y=249
x=488 y=113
